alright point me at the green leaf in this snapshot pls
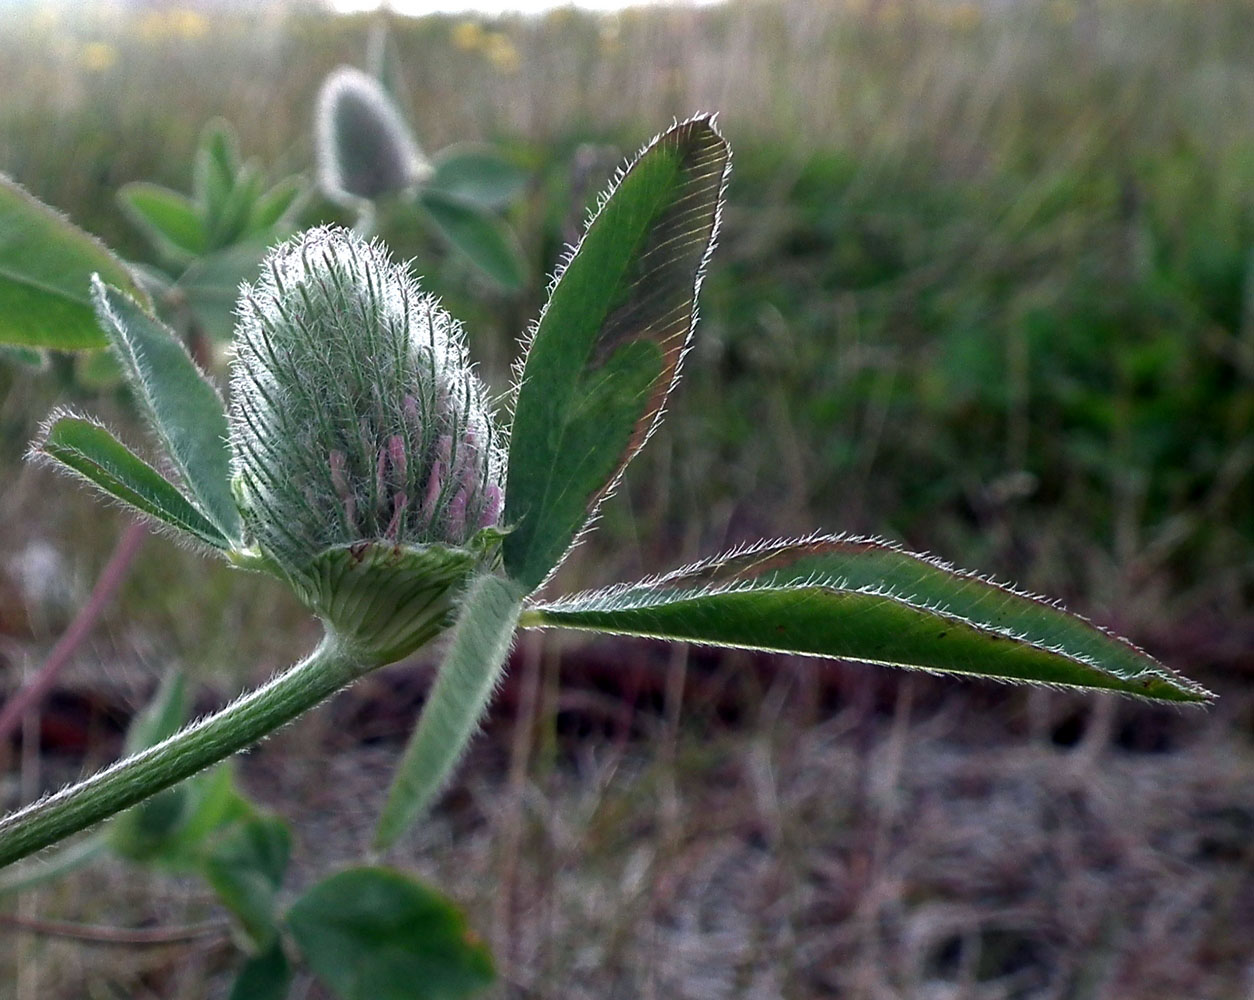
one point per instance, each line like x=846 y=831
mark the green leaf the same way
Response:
x=608 y=345
x=470 y=672
x=46 y=264
x=89 y=450
x=230 y=222
x=866 y=600
x=214 y=803
x=264 y=977
x=181 y=404
x=486 y=241
x=275 y=205
x=143 y=831
x=478 y=175
x=161 y=718
x=217 y=163
x=376 y=934
x=27 y=357
x=99 y=371
x=168 y=218
x=209 y=287
x=246 y=868
x=174 y=827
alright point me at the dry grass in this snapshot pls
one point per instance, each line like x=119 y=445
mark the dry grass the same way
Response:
x=921 y=841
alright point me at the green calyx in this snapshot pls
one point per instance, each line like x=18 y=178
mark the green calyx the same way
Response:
x=388 y=601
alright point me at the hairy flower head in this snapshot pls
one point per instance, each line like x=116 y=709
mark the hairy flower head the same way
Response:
x=355 y=415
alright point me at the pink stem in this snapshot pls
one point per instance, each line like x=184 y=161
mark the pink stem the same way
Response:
x=107 y=585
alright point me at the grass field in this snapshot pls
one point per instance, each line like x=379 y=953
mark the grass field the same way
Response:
x=986 y=286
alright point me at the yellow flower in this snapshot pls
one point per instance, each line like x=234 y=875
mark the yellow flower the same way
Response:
x=188 y=24
x=176 y=23
x=97 y=57
x=501 y=53
x=468 y=35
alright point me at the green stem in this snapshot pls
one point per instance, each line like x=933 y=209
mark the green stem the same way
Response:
x=243 y=722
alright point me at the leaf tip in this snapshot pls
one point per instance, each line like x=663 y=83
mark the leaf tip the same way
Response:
x=37 y=451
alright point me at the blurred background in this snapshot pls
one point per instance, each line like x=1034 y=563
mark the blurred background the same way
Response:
x=985 y=287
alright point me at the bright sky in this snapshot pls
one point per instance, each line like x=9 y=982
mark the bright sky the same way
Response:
x=416 y=7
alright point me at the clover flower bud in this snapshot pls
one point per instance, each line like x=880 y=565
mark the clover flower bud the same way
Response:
x=364 y=147
x=357 y=423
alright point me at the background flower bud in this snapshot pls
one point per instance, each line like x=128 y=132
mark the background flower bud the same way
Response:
x=365 y=149
x=355 y=415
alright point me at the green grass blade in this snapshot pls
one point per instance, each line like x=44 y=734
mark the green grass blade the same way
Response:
x=472 y=666
x=46 y=264
x=486 y=241
x=52 y=866
x=607 y=349
x=90 y=451
x=180 y=403
x=866 y=600
x=168 y=218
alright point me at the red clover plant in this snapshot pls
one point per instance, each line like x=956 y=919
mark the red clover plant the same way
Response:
x=361 y=464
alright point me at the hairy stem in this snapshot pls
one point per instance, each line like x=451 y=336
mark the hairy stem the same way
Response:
x=243 y=722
